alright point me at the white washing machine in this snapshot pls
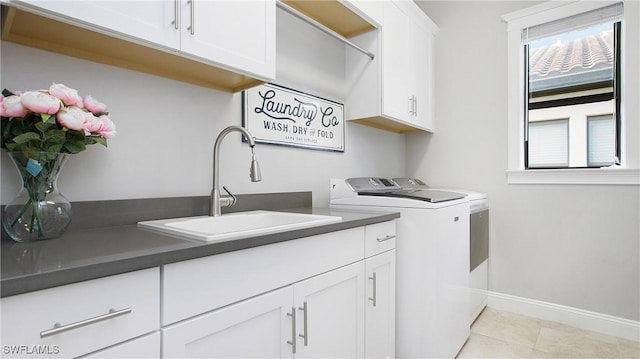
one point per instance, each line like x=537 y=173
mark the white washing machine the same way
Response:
x=478 y=244
x=432 y=261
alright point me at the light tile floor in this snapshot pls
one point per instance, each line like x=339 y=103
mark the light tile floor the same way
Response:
x=498 y=334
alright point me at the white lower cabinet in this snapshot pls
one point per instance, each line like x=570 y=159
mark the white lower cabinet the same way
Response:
x=381 y=305
x=321 y=317
x=330 y=317
x=81 y=318
x=325 y=296
x=306 y=298
x=254 y=328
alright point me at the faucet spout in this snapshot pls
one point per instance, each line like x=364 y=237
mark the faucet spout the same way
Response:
x=217 y=201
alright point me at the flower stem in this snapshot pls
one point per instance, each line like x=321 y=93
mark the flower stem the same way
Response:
x=19 y=215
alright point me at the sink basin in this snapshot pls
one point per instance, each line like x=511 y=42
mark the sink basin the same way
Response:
x=236 y=225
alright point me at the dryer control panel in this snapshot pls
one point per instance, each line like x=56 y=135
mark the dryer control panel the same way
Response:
x=372 y=184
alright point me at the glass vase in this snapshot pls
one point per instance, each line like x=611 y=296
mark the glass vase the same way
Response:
x=39 y=211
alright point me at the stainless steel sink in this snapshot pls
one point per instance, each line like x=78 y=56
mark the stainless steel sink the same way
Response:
x=236 y=225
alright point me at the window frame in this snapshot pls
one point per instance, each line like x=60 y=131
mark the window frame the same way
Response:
x=628 y=172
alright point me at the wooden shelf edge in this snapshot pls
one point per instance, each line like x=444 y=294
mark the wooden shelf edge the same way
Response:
x=386 y=124
x=333 y=15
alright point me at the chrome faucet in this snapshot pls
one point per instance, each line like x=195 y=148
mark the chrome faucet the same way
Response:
x=227 y=200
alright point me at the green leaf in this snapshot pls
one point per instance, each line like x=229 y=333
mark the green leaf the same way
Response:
x=43 y=126
x=45 y=117
x=55 y=148
x=101 y=140
x=7 y=93
x=54 y=135
x=74 y=146
x=13 y=146
x=26 y=137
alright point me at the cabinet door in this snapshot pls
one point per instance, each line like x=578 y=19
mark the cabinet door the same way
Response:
x=236 y=34
x=421 y=65
x=330 y=317
x=255 y=328
x=396 y=101
x=152 y=21
x=380 y=308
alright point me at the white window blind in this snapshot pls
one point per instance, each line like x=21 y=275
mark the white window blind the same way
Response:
x=549 y=143
x=601 y=147
x=611 y=13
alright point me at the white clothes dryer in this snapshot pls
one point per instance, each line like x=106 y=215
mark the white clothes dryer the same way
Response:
x=478 y=244
x=432 y=261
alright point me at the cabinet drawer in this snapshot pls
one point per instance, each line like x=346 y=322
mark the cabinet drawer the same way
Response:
x=85 y=316
x=380 y=237
x=199 y=285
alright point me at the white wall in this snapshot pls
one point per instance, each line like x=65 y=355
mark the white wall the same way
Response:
x=573 y=245
x=166 y=129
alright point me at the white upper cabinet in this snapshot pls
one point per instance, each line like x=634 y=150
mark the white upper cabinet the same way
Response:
x=393 y=91
x=238 y=34
x=421 y=85
x=229 y=45
x=152 y=21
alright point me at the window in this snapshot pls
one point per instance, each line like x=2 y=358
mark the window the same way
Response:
x=587 y=102
x=570 y=71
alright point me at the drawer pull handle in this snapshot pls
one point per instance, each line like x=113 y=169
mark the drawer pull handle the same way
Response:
x=305 y=328
x=385 y=238
x=58 y=328
x=292 y=342
x=374 y=299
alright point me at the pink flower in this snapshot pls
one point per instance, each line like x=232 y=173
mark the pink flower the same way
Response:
x=108 y=128
x=72 y=117
x=40 y=102
x=94 y=105
x=91 y=124
x=68 y=95
x=11 y=106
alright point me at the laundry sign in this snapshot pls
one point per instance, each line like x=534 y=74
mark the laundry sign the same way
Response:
x=279 y=115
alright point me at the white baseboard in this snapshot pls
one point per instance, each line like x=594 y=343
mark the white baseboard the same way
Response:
x=579 y=318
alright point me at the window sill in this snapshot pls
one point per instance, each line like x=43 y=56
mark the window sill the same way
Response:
x=598 y=176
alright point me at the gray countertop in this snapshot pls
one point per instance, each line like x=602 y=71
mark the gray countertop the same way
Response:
x=93 y=252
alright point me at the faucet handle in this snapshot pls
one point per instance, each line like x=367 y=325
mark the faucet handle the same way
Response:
x=229 y=200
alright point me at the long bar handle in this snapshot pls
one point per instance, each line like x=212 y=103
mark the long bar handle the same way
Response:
x=293 y=329
x=414 y=106
x=191 y=27
x=176 y=11
x=58 y=328
x=375 y=290
x=385 y=238
x=305 y=328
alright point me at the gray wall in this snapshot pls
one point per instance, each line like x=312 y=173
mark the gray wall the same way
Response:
x=573 y=245
x=166 y=129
